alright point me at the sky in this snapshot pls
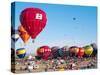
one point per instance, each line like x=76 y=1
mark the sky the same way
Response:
x=61 y=29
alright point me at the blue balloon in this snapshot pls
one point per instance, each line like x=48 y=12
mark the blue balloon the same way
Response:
x=60 y=52
x=21 y=55
x=94 y=46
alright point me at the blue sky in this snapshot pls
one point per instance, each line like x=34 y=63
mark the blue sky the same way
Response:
x=61 y=29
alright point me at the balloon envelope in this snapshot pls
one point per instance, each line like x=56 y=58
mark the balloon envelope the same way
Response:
x=65 y=48
x=81 y=52
x=44 y=52
x=66 y=51
x=14 y=35
x=33 y=20
x=74 y=50
x=21 y=52
x=88 y=50
x=54 y=52
x=94 y=46
x=60 y=52
x=23 y=34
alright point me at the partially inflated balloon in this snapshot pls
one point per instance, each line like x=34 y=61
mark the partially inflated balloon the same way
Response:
x=88 y=50
x=23 y=34
x=44 y=52
x=33 y=20
x=21 y=52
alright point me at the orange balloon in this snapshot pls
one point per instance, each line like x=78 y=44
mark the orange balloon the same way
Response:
x=23 y=34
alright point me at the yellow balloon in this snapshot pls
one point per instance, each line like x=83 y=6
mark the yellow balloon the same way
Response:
x=21 y=51
x=88 y=50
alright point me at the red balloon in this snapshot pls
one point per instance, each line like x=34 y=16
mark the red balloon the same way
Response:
x=33 y=20
x=80 y=52
x=44 y=52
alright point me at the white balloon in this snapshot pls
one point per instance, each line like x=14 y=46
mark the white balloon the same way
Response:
x=15 y=36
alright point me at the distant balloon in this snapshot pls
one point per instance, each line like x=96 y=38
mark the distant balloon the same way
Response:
x=23 y=34
x=81 y=52
x=94 y=46
x=54 y=48
x=54 y=52
x=60 y=52
x=33 y=20
x=74 y=18
x=88 y=50
x=65 y=48
x=21 y=52
x=14 y=35
x=44 y=52
x=74 y=50
x=66 y=51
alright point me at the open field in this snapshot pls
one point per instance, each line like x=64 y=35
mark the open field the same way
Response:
x=25 y=66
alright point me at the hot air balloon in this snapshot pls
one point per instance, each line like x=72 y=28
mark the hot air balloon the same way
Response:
x=23 y=34
x=94 y=46
x=60 y=52
x=33 y=20
x=54 y=52
x=73 y=50
x=44 y=52
x=66 y=51
x=74 y=18
x=65 y=48
x=21 y=52
x=80 y=52
x=88 y=50
x=14 y=35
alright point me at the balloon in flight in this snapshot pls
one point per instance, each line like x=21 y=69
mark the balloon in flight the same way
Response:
x=33 y=20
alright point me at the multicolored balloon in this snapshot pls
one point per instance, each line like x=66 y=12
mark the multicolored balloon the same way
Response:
x=21 y=52
x=23 y=34
x=33 y=20
x=88 y=50
x=44 y=52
